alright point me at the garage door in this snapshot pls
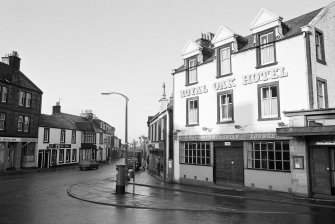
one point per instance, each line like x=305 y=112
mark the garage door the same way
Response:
x=229 y=165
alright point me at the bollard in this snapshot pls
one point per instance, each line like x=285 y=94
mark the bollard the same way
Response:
x=121 y=179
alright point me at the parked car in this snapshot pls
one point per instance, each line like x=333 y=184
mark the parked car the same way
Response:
x=88 y=164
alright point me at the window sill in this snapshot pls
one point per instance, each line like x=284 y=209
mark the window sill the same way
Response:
x=195 y=164
x=259 y=169
x=191 y=125
x=268 y=119
x=191 y=84
x=321 y=61
x=225 y=75
x=267 y=65
x=225 y=122
x=46 y=142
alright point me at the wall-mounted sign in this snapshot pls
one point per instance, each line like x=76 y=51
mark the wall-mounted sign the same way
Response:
x=298 y=162
x=53 y=146
x=264 y=75
x=225 y=84
x=10 y=139
x=193 y=91
x=322 y=140
x=236 y=137
x=227 y=143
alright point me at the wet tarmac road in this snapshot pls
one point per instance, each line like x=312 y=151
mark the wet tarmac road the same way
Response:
x=42 y=198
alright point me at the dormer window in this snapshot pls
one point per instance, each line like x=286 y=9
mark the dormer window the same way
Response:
x=191 y=72
x=266 y=52
x=224 y=61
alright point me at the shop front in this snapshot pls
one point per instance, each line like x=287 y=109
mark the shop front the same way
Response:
x=17 y=153
x=155 y=160
x=56 y=155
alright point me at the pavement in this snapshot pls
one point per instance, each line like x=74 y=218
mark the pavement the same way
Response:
x=152 y=193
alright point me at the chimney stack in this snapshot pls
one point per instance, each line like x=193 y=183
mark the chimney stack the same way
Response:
x=12 y=60
x=56 y=109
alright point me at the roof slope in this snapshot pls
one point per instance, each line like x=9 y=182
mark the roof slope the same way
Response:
x=20 y=79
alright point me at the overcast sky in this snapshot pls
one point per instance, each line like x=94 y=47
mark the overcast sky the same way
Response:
x=75 y=49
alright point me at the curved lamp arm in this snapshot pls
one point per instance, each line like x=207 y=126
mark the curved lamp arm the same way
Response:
x=110 y=93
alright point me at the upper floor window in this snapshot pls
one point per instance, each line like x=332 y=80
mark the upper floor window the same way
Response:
x=2 y=121
x=192 y=106
x=266 y=53
x=224 y=61
x=62 y=136
x=46 y=134
x=25 y=99
x=320 y=48
x=268 y=101
x=191 y=73
x=3 y=94
x=23 y=123
x=26 y=124
x=321 y=86
x=20 y=123
x=73 y=137
x=101 y=139
x=225 y=106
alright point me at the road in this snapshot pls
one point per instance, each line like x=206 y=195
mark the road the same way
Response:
x=41 y=197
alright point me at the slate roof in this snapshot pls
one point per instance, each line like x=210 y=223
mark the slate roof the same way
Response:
x=52 y=121
x=24 y=81
x=293 y=25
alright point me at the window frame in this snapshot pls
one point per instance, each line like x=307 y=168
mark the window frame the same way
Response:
x=203 y=155
x=26 y=124
x=320 y=58
x=24 y=101
x=68 y=155
x=187 y=111
x=264 y=158
x=259 y=46
x=188 y=71
x=259 y=94
x=74 y=155
x=20 y=123
x=218 y=61
x=62 y=136
x=3 y=95
x=101 y=138
x=3 y=121
x=46 y=137
x=325 y=92
x=73 y=137
x=219 y=94
x=61 y=158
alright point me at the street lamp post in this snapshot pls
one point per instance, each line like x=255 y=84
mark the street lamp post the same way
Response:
x=126 y=123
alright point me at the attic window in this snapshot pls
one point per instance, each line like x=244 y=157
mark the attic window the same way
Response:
x=191 y=72
x=266 y=52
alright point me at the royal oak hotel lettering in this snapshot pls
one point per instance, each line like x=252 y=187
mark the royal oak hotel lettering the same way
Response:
x=193 y=91
x=264 y=75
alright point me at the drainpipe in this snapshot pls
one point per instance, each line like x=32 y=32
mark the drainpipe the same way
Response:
x=307 y=32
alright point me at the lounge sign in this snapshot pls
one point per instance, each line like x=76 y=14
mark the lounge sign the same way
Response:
x=232 y=137
x=322 y=140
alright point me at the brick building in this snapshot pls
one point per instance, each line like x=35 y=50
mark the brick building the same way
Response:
x=20 y=108
x=235 y=93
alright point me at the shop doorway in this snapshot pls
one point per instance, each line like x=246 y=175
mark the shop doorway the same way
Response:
x=40 y=159
x=228 y=161
x=323 y=171
x=10 y=160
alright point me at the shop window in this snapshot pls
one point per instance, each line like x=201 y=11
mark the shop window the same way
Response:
x=224 y=61
x=62 y=136
x=61 y=156
x=46 y=135
x=192 y=106
x=322 y=96
x=74 y=155
x=225 y=107
x=191 y=71
x=73 y=137
x=266 y=52
x=268 y=101
x=320 y=48
x=269 y=155
x=195 y=153
x=68 y=155
x=2 y=121
x=3 y=94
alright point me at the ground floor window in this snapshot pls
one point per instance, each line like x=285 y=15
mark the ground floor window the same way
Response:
x=198 y=153
x=269 y=155
x=74 y=155
x=61 y=156
x=68 y=155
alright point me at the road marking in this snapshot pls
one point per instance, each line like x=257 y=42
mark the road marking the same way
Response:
x=10 y=180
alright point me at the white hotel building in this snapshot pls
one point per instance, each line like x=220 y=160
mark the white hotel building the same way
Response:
x=231 y=94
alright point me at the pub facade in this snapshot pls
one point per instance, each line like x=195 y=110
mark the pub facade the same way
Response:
x=231 y=93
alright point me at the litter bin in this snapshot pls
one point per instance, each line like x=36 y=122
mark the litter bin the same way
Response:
x=121 y=179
